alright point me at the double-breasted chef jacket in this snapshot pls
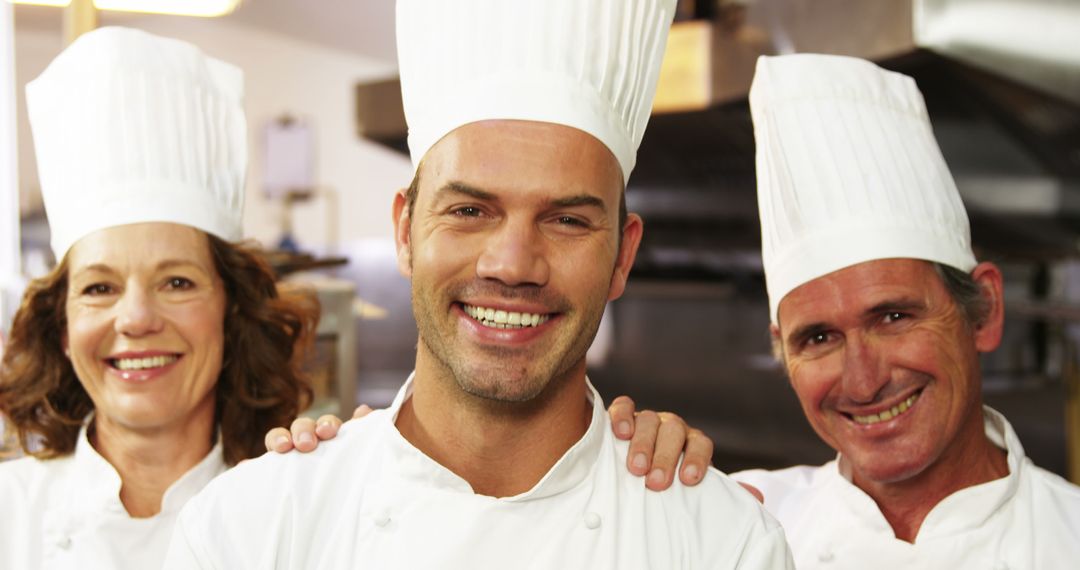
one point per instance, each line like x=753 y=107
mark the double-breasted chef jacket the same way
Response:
x=66 y=513
x=1028 y=520
x=369 y=499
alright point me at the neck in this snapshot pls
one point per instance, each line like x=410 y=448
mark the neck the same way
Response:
x=501 y=449
x=149 y=461
x=971 y=459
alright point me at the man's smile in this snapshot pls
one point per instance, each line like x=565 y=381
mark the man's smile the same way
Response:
x=502 y=319
x=886 y=415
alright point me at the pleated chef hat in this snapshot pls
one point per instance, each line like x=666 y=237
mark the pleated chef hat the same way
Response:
x=588 y=64
x=131 y=127
x=848 y=171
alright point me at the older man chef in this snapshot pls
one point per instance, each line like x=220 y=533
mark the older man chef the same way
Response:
x=880 y=311
x=524 y=119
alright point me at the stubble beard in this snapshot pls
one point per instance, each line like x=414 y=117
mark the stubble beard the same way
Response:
x=501 y=374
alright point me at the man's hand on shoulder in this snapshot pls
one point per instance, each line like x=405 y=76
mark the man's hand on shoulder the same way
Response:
x=305 y=433
x=657 y=441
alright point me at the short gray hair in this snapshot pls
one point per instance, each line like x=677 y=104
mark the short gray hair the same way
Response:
x=965 y=292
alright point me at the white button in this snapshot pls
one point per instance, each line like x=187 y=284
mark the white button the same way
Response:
x=592 y=521
x=382 y=519
x=64 y=542
x=826 y=556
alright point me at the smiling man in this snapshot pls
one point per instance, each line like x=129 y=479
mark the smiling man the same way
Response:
x=524 y=121
x=879 y=313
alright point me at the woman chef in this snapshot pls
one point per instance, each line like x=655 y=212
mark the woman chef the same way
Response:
x=157 y=352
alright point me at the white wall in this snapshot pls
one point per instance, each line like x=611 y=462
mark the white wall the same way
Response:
x=10 y=266
x=282 y=75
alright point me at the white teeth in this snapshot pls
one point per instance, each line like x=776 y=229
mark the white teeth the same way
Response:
x=144 y=363
x=499 y=319
x=887 y=414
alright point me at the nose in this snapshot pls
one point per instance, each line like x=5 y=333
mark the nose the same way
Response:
x=514 y=255
x=863 y=376
x=136 y=314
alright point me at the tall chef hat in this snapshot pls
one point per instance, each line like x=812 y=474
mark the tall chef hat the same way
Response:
x=848 y=171
x=131 y=127
x=592 y=65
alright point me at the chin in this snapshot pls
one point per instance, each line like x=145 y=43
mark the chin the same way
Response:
x=888 y=468
x=499 y=386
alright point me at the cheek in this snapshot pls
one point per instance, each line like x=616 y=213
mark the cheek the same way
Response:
x=83 y=333
x=935 y=349
x=445 y=251
x=203 y=325
x=812 y=381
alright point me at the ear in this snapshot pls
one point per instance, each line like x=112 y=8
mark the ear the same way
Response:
x=402 y=232
x=988 y=332
x=777 y=342
x=64 y=344
x=631 y=239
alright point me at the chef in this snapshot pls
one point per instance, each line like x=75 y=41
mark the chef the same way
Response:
x=524 y=121
x=879 y=313
x=130 y=373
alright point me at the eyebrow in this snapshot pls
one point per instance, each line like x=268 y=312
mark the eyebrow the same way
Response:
x=455 y=187
x=900 y=306
x=807 y=331
x=163 y=266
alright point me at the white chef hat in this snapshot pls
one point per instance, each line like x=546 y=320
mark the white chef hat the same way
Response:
x=130 y=127
x=588 y=64
x=848 y=171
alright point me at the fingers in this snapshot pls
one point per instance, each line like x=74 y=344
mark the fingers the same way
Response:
x=670 y=438
x=361 y=411
x=639 y=459
x=303 y=434
x=697 y=456
x=755 y=492
x=326 y=427
x=621 y=412
x=278 y=440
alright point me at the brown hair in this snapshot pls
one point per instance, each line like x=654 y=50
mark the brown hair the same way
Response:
x=267 y=333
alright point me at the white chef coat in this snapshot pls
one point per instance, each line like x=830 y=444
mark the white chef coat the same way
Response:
x=66 y=513
x=1027 y=520
x=369 y=499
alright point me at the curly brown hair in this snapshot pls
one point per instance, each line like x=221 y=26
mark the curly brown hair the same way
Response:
x=267 y=334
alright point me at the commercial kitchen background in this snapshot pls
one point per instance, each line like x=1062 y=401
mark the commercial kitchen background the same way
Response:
x=1002 y=83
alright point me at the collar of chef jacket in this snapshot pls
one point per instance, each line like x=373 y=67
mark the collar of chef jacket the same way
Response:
x=571 y=469
x=963 y=510
x=97 y=484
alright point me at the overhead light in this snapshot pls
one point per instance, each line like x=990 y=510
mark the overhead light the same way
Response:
x=204 y=8
x=59 y=3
